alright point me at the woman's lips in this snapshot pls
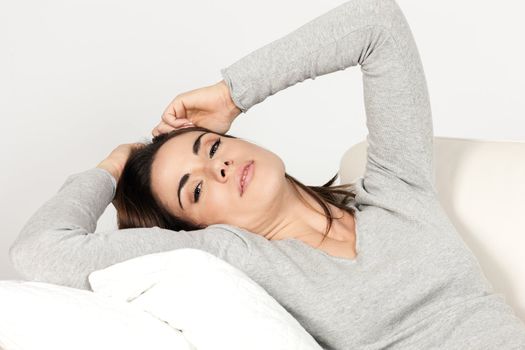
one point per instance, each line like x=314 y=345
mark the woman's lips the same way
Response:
x=249 y=169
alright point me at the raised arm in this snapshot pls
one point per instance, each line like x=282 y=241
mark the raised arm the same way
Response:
x=375 y=35
x=58 y=244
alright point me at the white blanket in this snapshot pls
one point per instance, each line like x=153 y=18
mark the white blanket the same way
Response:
x=39 y=316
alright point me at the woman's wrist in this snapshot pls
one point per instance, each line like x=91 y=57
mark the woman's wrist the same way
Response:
x=111 y=168
x=232 y=107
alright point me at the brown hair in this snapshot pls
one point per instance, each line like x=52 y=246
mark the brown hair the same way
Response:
x=137 y=206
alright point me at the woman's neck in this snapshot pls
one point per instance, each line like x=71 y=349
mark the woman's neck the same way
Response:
x=296 y=219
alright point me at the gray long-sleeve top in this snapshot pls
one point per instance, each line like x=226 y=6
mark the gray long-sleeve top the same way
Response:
x=414 y=284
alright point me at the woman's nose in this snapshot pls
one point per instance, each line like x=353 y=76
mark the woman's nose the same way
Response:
x=225 y=170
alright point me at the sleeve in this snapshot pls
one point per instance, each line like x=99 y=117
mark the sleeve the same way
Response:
x=58 y=244
x=375 y=35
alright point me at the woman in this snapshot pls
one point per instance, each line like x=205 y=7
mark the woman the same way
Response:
x=192 y=178
x=395 y=273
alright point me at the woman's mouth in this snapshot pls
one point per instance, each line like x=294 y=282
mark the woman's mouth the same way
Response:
x=244 y=176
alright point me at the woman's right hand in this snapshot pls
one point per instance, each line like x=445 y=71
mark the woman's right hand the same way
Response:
x=114 y=163
x=209 y=107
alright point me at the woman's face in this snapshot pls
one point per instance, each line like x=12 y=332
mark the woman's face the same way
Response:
x=211 y=195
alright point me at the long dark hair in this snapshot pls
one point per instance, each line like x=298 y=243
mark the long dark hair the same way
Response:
x=137 y=206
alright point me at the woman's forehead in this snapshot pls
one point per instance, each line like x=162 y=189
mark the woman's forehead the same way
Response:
x=183 y=142
x=170 y=159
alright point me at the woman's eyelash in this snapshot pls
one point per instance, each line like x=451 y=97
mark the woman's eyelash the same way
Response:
x=213 y=150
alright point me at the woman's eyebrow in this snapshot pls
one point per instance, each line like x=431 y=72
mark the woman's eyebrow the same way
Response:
x=197 y=143
x=186 y=177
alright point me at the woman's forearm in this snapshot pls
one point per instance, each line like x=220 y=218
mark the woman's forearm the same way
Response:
x=58 y=244
x=110 y=168
x=54 y=245
x=333 y=41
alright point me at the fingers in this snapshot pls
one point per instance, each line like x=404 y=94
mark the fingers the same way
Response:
x=173 y=117
x=138 y=145
x=163 y=128
x=175 y=110
x=180 y=109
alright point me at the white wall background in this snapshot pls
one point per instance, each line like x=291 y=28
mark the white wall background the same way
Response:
x=77 y=78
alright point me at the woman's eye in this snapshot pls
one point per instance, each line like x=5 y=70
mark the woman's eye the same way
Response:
x=197 y=192
x=213 y=148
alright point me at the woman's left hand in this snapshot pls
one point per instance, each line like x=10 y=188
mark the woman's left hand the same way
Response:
x=210 y=107
x=114 y=163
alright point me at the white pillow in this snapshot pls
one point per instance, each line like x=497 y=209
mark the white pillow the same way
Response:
x=36 y=316
x=215 y=304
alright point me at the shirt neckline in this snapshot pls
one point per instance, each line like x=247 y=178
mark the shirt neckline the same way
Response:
x=358 y=233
